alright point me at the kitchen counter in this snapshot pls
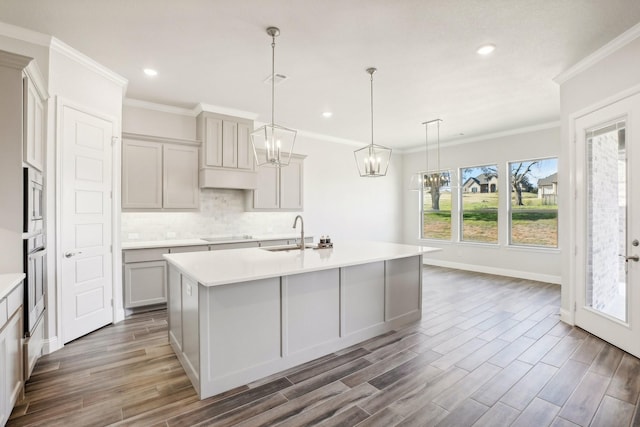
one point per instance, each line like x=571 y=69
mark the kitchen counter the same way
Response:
x=8 y=282
x=140 y=244
x=239 y=315
x=224 y=267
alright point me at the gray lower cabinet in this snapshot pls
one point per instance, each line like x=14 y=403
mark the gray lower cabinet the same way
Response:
x=145 y=270
x=145 y=283
x=145 y=277
x=11 y=361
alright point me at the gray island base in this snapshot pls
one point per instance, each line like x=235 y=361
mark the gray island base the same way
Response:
x=236 y=316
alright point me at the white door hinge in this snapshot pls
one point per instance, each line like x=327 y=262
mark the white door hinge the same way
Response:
x=114 y=139
x=575 y=306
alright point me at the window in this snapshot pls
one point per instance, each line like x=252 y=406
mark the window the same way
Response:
x=436 y=206
x=479 y=204
x=534 y=202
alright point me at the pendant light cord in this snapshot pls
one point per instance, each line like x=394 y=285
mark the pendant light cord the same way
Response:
x=438 y=153
x=371 y=108
x=273 y=77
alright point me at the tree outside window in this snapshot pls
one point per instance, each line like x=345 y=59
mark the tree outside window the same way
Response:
x=534 y=202
x=436 y=206
x=479 y=204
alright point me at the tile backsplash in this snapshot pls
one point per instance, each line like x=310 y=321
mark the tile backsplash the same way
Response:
x=221 y=214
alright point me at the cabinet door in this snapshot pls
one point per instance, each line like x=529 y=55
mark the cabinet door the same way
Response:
x=145 y=283
x=212 y=142
x=33 y=143
x=10 y=365
x=141 y=174
x=229 y=144
x=180 y=177
x=266 y=194
x=291 y=185
x=245 y=150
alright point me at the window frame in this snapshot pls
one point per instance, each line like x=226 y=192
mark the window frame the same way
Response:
x=460 y=236
x=422 y=211
x=510 y=243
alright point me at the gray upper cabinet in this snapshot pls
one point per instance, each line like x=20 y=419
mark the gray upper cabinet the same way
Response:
x=227 y=158
x=279 y=189
x=159 y=173
x=34 y=125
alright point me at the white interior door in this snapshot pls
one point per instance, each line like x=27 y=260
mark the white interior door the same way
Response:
x=608 y=225
x=85 y=221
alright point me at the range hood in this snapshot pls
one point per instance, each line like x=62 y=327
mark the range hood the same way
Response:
x=236 y=179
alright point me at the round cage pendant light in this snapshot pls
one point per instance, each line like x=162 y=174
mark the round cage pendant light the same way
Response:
x=373 y=160
x=272 y=143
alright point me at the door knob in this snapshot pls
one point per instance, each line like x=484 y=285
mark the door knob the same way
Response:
x=635 y=258
x=70 y=254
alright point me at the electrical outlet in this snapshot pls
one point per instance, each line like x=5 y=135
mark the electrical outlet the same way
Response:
x=133 y=236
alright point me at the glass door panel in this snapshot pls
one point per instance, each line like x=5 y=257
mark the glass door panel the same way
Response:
x=606 y=284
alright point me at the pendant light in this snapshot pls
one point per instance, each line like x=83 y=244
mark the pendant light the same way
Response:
x=272 y=143
x=373 y=160
x=430 y=177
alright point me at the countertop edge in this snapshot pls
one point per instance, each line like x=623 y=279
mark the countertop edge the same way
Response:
x=420 y=250
x=8 y=282
x=154 y=244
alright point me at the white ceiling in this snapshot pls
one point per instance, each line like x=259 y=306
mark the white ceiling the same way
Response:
x=217 y=52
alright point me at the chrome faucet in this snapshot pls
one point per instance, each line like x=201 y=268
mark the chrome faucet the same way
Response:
x=295 y=221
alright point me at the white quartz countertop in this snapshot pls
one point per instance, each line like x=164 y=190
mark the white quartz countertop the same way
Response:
x=8 y=282
x=148 y=244
x=215 y=268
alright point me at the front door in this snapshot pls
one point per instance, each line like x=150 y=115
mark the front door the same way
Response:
x=85 y=221
x=608 y=224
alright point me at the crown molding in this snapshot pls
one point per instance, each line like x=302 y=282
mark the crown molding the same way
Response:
x=496 y=135
x=614 y=45
x=73 y=54
x=13 y=60
x=154 y=138
x=33 y=72
x=209 y=108
x=24 y=34
x=164 y=108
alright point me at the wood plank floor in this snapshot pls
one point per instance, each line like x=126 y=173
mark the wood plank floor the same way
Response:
x=488 y=351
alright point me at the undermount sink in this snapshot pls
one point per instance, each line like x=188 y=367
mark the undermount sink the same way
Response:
x=287 y=248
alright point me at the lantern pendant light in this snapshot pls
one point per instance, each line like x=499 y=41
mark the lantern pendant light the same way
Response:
x=373 y=160
x=272 y=143
x=430 y=177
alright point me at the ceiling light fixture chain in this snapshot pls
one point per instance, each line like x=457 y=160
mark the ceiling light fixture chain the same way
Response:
x=273 y=32
x=272 y=143
x=373 y=160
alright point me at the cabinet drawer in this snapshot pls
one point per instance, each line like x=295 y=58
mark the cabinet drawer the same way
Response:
x=182 y=249
x=14 y=300
x=239 y=245
x=141 y=255
x=3 y=313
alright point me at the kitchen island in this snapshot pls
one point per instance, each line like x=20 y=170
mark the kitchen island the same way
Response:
x=239 y=315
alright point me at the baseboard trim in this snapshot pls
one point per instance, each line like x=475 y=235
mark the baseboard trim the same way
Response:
x=50 y=345
x=546 y=278
x=567 y=317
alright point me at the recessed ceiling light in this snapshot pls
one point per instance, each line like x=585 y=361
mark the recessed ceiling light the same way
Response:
x=150 y=72
x=327 y=114
x=486 y=49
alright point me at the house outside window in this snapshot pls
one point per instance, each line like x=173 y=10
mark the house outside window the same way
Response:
x=436 y=206
x=479 y=204
x=534 y=202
